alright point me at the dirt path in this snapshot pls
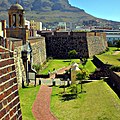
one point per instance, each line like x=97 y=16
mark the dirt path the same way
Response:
x=41 y=106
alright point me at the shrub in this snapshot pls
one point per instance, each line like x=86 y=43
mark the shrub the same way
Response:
x=37 y=67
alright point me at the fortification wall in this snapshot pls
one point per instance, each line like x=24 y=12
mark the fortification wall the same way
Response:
x=9 y=99
x=86 y=44
x=58 y=45
x=97 y=43
x=19 y=67
x=38 y=50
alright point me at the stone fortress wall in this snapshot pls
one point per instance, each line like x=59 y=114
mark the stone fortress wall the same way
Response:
x=86 y=44
x=9 y=99
x=38 y=50
x=97 y=43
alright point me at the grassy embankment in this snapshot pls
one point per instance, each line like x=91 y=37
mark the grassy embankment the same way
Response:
x=98 y=103
x=109 y=58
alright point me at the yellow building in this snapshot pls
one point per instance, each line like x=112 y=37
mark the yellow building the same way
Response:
x=35 y=25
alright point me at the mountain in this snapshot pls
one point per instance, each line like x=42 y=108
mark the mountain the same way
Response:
x=50 y=12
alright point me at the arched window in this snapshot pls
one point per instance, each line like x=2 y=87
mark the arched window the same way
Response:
x=14 y=20
x=20 y=20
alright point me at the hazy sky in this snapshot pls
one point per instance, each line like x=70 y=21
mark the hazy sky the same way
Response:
x=108 y=9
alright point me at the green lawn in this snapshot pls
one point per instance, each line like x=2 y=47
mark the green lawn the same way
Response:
x=98 y=103
x=110 y=51
x=27 y=97
x=57 y=64
x=89 y=66
x=110 y=59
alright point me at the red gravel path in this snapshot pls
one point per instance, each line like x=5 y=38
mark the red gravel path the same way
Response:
x=41 y=106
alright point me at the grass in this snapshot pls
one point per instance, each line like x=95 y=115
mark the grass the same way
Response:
x=89 y=66
x=110 y=51
x=98 y=103
x=27 y=97
x=57 y=64
x=109 y=58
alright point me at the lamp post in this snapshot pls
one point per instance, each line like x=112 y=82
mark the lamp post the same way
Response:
x=24 y=58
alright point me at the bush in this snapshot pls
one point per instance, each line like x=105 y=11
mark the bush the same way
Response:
x=37 y=67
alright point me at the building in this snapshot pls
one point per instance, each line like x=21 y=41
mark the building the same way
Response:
x=35 y=25
x=27 y=23
x=18 y=40
x=86 y=44
x=62 y=27
x=111 y=35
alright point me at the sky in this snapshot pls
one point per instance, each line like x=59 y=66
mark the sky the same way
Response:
x=106 y=9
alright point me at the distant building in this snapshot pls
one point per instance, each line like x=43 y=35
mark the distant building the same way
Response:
x=35 y=25
x=27 y=23
x=111 y=35
x=62 y=27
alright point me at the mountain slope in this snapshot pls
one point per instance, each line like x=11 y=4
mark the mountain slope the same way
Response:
x=50 y=12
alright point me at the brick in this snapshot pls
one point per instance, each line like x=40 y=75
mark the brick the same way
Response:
x=1 y=96
x=1 y=106
x=13 y=67
x=1 y=88
x=11 y=113
x=20 y=118
x=15 y=88
x=2 y=113
x=5 y=102
x=15 y=101
x=7 y=117
x=13 y=74
x=8 y=108
x=14 y=118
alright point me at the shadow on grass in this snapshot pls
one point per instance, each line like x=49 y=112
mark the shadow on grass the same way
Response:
x=67 y=97
x=31 y=86
x=114 y=88
x=66 y=61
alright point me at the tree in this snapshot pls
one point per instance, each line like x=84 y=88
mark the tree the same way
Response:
x=72 y=54
x=82 y=74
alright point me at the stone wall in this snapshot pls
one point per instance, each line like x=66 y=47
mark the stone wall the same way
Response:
x=97 y=43
x=86 y=44
x=114 y=77
x=9 y=99
x=38 y=50
x=19 y=67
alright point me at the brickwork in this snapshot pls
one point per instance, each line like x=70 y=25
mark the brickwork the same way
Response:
x=38 y=50
x=86 y=44
x=9 y=99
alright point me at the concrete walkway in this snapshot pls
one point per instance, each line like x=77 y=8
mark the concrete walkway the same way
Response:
x=41 y=106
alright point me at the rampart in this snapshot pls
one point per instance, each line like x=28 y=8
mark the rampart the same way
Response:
x=9 y=99
x=38 y=50
x=86 y=44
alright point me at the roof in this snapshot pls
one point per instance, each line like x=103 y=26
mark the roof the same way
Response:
x=16 y=7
